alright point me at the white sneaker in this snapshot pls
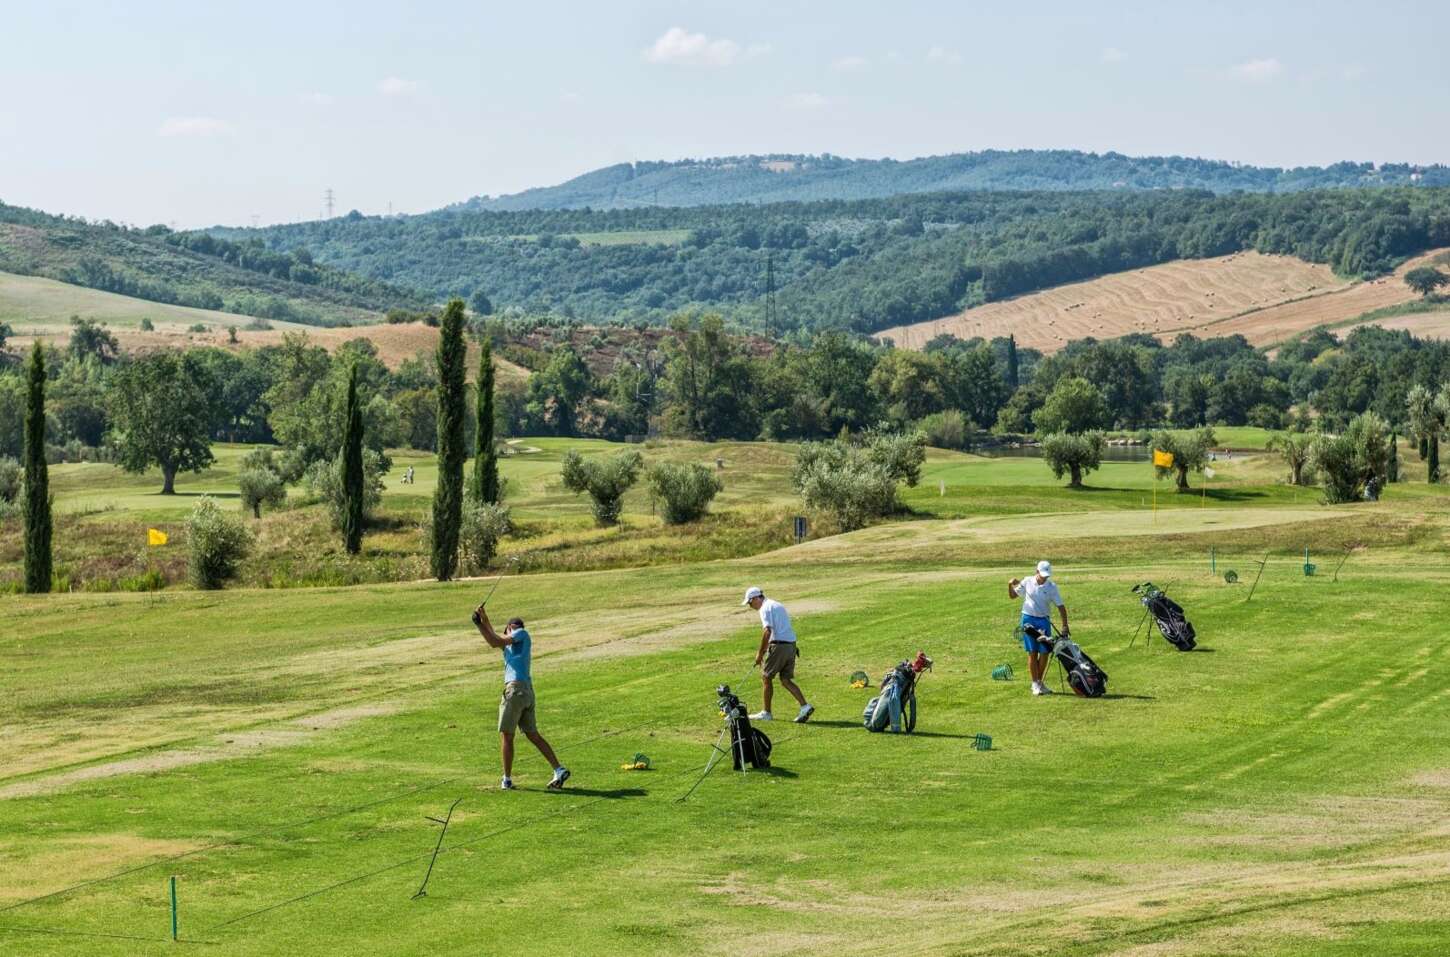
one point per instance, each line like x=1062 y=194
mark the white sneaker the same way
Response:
x=760 y=716
x=1038 y=688
x=805 y=713
x=507 y=784
x=561 y=774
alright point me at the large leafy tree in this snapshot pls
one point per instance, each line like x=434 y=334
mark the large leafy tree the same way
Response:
x=1074 y=406
x=556 y=390
x=1349 y=461
x=604 y=478
x=483 y=486
x=708 y=379
x=452 y=450
x=38 y=528
x=162 y=416
x=1426 y=279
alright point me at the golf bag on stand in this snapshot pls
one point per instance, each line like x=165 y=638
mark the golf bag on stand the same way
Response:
x=747 y=745
x=1175 y=627
x=1084 y=676
x=896 y=704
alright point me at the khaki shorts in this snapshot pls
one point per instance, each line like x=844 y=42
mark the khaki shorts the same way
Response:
x=516 y=708
x=780 y=660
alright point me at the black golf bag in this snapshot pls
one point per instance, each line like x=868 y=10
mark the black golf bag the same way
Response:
x=896 y=704
x=747 y=745
x=1177 y=630
x=1084 y=676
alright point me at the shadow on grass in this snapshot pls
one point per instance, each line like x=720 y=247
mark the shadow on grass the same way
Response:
x=611 y=793
x=197 y=495
x=1126 y=697
x=776 y=771
x=857 y=725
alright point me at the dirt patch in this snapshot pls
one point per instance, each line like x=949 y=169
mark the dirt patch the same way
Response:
x=232 y=745
x=64 y=861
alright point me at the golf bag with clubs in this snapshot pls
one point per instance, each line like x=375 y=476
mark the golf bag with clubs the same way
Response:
x=895 y=706
x=747 y=745
x=1084 y=676
x=1175 y=627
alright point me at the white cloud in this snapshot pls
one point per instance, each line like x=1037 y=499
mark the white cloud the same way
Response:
x=679 y=46
x=807 y=101
x=194 y=126
x=1258 y=71
x=318 y=99
x=850 y=64
x=1113 y=55
x=940 y=54
x=397 y=86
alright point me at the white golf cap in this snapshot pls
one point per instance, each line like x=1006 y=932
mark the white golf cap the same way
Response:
x=1044 y=568
x=751 y=594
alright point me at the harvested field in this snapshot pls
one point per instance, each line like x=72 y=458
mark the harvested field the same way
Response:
x=1265 y=298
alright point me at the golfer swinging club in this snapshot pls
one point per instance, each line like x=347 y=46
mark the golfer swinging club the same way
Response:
x=778 y=651
x=1038 y=593
x=516 y=708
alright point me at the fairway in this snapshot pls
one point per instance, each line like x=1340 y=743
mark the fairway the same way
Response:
x=1277 y=791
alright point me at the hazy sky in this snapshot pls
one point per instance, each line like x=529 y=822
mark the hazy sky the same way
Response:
x=215 y=112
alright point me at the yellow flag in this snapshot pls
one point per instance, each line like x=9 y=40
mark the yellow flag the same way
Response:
x=155 y=536
x=1162 y=459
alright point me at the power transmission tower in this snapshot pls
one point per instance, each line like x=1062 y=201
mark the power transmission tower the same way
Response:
x=327 y=202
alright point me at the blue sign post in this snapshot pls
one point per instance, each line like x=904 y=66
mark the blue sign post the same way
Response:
x=800 y=529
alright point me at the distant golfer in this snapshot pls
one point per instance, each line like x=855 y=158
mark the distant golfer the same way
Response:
x=516 y=709
x=778 y=652
x=1038 y=593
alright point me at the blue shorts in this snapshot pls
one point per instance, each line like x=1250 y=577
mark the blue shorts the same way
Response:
x=1043 y=625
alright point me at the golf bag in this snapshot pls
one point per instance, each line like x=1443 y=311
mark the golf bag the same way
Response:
x=747 y=745
x=1177 y=630
x=1084 y=676
x=896 y=704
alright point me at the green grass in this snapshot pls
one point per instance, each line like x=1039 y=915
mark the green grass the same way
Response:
x=634 y=237
x=1275 y=793
x=32 y=303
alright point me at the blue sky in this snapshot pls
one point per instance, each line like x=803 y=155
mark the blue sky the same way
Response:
x=215 y=112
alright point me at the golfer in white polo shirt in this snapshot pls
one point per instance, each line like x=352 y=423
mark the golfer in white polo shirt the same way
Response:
x=778 y=652
x=1038 y=593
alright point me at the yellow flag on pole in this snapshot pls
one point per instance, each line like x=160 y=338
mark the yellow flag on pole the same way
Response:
x=155 y=536
x=1162 y=459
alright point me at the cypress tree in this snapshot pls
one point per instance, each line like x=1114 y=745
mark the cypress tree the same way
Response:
x=352 y=470
x=448 y=496
x=1434 y=457
x=1012 y=379
x=483 y=486
x=1394 y=468
x=37 y=482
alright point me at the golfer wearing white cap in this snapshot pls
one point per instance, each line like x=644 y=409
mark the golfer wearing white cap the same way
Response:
x=778 y=652
x=1038 y=594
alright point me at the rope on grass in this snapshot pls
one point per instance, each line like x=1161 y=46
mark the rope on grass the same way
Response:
x=338 y=885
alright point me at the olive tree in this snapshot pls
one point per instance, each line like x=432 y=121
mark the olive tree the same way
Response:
x=604 y=478
x=1073 y=454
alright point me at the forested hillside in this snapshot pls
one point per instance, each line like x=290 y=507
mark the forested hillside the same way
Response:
x=862 y=265
x=776 y=178
x=189 y=269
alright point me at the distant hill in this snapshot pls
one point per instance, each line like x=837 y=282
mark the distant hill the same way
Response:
x=192 y=270
x=863 y=265
x=782 y=177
